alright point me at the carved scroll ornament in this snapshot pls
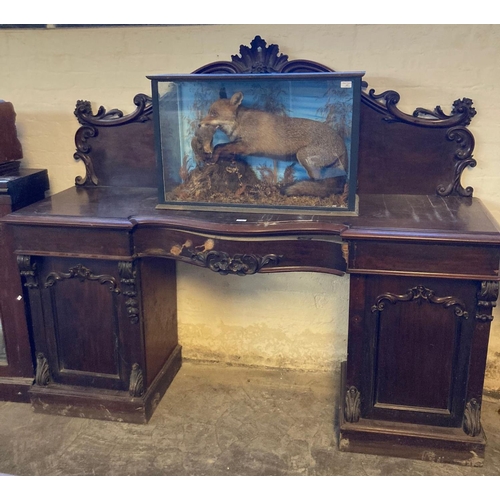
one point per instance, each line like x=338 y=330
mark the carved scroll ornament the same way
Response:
x=82 y=273
x=421 y=293
x=90 y=128
x=461 y=115
x=222 y=262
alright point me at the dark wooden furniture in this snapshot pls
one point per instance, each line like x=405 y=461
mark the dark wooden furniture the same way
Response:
x=99 y=263
x=18 y=187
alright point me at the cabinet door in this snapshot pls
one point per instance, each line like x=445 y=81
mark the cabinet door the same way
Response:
x=82 y=327
x=412 y=347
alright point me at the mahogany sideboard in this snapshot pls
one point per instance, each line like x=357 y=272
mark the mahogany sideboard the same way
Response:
x=98 y=261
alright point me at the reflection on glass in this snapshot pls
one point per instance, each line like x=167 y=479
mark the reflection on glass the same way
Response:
x=3 y=354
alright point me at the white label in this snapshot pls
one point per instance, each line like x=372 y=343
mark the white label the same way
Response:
x=345 y=85
x=241 y=220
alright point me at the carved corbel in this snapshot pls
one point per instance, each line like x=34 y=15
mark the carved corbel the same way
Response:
x=352 y=407
x=486 y=300
x=128 y=274
x=42 y=375
x=28 y=271
x=136 y=385
x=472 y=418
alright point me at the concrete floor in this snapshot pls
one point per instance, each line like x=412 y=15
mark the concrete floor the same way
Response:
x=215 y=421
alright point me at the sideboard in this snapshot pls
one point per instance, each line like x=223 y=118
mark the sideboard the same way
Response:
x=99 y=263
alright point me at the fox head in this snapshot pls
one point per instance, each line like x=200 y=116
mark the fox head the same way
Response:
x=222 y=114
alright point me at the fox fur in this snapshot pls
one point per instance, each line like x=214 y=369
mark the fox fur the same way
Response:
x=314 y=144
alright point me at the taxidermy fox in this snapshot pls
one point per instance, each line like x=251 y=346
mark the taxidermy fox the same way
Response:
x=314 y=144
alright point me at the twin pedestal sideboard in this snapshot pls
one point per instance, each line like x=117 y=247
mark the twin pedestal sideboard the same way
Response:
x=98 y=262
x=99 y=265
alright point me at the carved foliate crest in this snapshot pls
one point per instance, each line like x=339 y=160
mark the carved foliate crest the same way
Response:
x=82 y=273
x=421 y=293
x=262 y=58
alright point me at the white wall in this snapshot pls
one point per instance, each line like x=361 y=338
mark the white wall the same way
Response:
x=293 y=320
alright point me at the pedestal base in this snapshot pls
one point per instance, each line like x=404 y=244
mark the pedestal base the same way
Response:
x=118 y=406
x=413 y=441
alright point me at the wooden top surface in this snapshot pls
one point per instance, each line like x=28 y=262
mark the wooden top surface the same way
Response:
x=387 y=217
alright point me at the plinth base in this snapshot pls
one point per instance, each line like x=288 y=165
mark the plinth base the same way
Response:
x=413 y=441
x=118 y=406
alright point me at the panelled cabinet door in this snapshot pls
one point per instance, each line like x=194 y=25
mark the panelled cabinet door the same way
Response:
x=416 y=348
x=89 y=333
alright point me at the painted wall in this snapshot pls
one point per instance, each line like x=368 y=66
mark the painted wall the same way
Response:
x=285 y=320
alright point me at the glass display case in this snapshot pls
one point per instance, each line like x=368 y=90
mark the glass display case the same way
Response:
x=265 y=142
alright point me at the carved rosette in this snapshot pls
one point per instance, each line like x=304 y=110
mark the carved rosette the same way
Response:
x=421 y=293
x=42 y=375
x=472 y=418
x=82 y=273
x=352 y=406
x=90 y=129
x=28 y=271
x=486 y=300
x=136 y=386
x=128 y=274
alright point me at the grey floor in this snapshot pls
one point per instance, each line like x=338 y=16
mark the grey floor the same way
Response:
x=215 y=421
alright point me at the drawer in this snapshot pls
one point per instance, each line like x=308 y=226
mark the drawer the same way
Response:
x=440 y=260
x=242 y=256
x=97 y=243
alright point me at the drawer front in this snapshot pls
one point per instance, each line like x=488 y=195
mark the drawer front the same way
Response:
x=70 y=241
x=460 y=261
x=242 y=256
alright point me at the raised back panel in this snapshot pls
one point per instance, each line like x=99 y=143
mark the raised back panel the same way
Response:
x=422 y=153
